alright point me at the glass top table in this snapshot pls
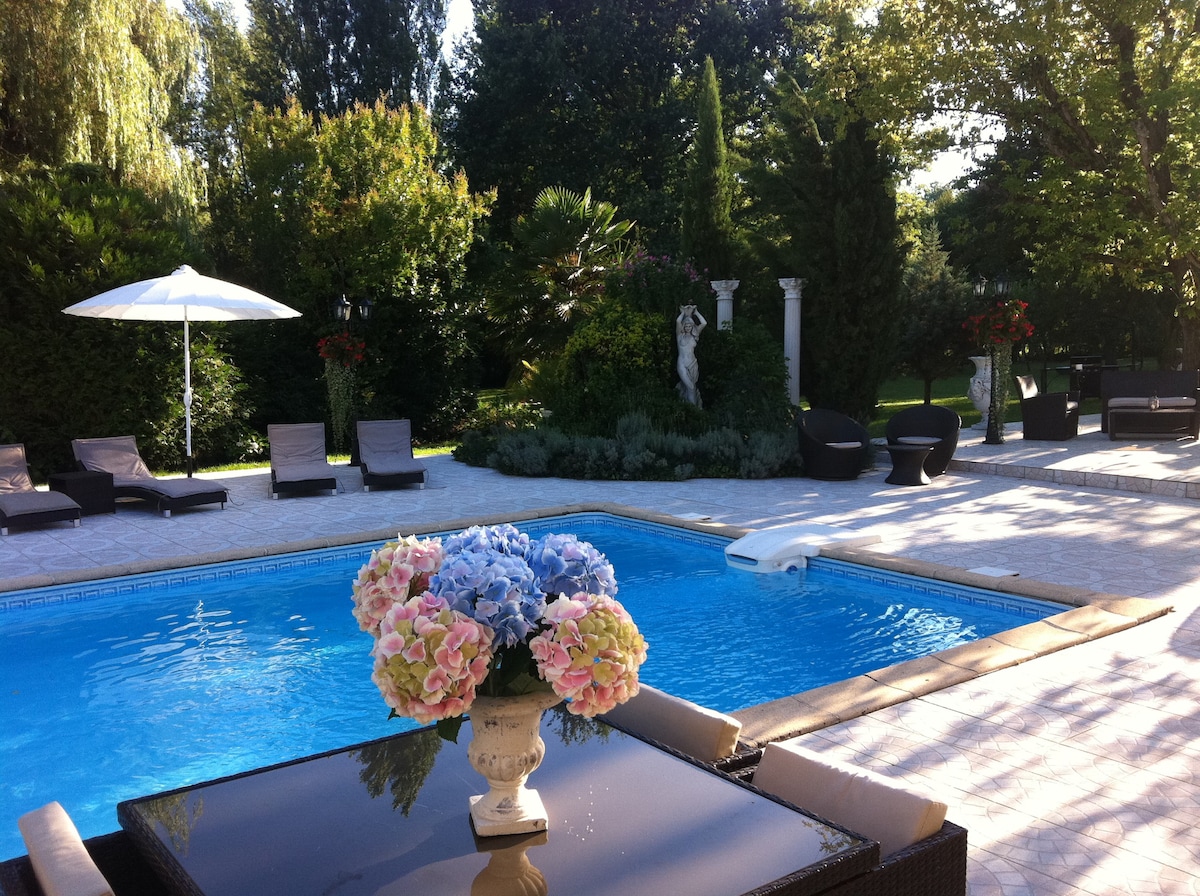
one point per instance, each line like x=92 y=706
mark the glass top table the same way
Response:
x=390 y=817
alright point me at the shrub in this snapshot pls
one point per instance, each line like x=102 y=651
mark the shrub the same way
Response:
x=641 y=452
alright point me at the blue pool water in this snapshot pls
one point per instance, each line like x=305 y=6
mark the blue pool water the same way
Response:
x=127 y=687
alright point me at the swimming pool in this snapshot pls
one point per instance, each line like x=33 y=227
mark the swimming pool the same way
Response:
x=126 y=687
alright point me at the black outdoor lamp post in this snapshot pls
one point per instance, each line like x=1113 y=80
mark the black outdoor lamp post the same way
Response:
x=996 y=410
x=343 y=310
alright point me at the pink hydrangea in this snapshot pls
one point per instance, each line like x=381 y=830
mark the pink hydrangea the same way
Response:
x=429 y=659
x=394 y=572
x=590 y=653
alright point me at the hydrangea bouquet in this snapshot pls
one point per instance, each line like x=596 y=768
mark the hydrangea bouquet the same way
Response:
x=490 y=611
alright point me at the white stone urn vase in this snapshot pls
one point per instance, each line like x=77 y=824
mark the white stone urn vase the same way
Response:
x=980 y=388
x=506 y=747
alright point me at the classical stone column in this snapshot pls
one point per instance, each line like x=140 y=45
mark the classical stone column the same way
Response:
x=793 y=289
x=724 y=290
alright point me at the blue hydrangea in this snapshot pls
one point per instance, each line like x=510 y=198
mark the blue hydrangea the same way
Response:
x=494 y=588
x=565 y=565
x=503 y=539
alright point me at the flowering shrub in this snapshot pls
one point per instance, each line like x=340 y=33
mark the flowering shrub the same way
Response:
x=492 y=610
x=342 y=348
x=657 y=284
x=1004 y=323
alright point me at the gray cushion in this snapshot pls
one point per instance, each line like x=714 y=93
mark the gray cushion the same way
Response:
x=117 y=455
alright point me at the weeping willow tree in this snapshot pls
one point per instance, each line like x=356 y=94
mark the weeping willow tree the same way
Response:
x=99 y=82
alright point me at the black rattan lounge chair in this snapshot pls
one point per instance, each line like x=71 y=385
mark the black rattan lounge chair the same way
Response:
x=1047 y=417
x=119 y=456
x=385 y=454
x=299 y=463
x=832 y=445
x=927 y=424
x=23 y=505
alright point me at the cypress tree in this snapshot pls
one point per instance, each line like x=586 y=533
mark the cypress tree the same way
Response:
x=707 y=226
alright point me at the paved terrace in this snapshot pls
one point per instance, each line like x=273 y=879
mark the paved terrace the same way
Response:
x=1077 y=772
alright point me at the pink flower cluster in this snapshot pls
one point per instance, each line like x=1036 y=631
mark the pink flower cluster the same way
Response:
x=429 y=659
x=396 y=571
x=591 y=652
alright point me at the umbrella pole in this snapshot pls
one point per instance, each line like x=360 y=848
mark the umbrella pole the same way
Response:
x=187 y=388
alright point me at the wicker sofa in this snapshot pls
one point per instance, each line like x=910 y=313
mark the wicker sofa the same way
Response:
x=1150 y=402
x=922 y=853
x=114 y=854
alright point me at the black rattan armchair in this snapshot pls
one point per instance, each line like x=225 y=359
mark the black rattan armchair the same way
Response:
x=918 y=425
x=832 y=445
x=1050 y=417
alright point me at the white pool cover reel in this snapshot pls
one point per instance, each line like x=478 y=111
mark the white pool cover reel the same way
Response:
x=784 y=548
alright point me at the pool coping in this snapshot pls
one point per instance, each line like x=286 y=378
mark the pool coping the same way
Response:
x=1091 y=615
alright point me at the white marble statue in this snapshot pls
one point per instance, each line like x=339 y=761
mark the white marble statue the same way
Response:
x=688 y=326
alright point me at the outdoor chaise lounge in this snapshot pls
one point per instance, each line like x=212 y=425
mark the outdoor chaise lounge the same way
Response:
x=927 y=424
x=23 y=505
x=921 y=854
x=119 y=456
x=386 y=456
x=832 y=445
x=299 y=463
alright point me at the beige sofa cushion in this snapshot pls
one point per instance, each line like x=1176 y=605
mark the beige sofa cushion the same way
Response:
x=60 y=860
x=859 y=799
x=695 y=730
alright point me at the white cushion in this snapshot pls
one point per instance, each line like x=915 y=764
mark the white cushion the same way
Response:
x=1129 y=402
x=1176 y=402
x=844 y=444
x=59 y=858
x=918 y=440
x=692 y=729
x=859 y=799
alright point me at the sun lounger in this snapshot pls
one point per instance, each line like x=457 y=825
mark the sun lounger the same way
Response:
x=21 y=503
x=132 y=478
x=298 y=459
x=386 y=456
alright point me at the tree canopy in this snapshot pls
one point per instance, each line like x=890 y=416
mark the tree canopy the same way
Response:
x=1109 y=94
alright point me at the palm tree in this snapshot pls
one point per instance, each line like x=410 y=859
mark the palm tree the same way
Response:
x=566 y=246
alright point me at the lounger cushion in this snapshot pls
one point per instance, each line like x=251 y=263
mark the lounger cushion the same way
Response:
x=59 y=859
x=856 y=798
x=385 y=448
x=117 y=455
x=14 y=474
x=695 y=730
x=19 y=503
x=304 y=472
x=177 y=488
x=394 y=466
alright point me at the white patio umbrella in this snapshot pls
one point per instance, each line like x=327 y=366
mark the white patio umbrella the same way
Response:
x=187 y=296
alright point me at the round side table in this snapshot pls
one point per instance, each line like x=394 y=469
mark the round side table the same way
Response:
x=908 y=464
